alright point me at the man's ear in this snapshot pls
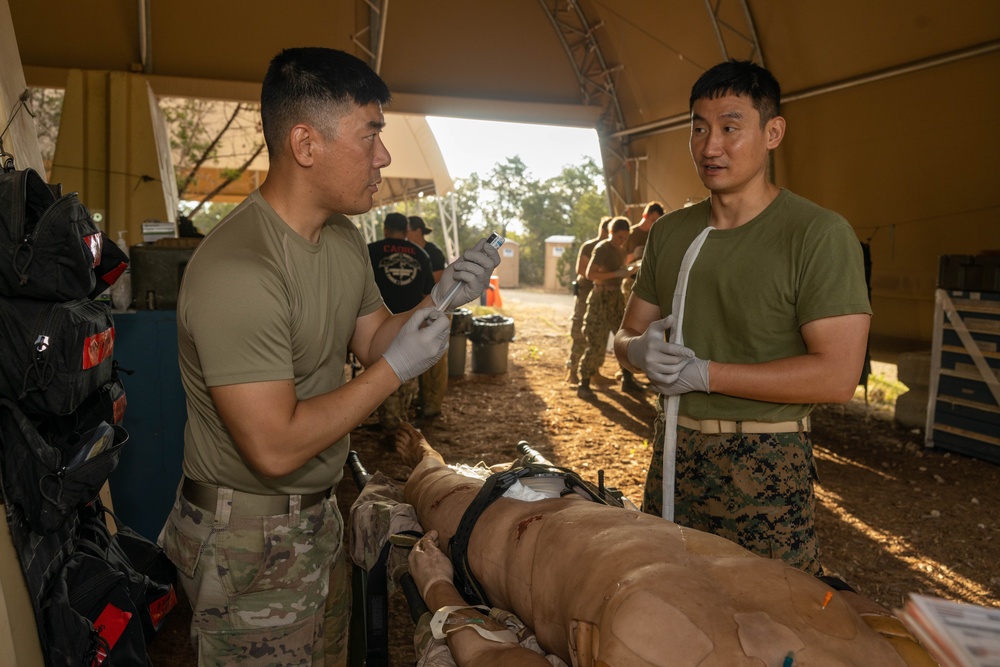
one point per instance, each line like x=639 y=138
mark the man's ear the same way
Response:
x=775 y=130
x=302 y=139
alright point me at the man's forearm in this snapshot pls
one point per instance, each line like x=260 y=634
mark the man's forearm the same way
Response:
x=387 y=333
x=622 y=339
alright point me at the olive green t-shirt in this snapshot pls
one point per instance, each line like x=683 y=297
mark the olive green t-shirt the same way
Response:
x=260 y=303
x=609 y=257
x=586 y=250
x=752 y=288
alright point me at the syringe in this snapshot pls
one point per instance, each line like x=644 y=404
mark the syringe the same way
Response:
x=494 y=240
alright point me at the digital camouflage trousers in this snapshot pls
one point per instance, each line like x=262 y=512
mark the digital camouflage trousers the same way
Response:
x=604 y=315
x=753 y=489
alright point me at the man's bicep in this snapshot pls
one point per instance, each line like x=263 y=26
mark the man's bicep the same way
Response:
x=252 y=410
x=841 y=340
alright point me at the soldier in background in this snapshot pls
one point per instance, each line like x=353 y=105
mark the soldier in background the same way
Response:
x=404 y=277
x=580 y=293
x=434 y=382
x=605 y=305
x=633 y=250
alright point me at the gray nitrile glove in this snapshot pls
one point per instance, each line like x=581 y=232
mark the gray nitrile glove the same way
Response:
x=693 y=377
x=473 y=269
x=415 y=349
x=662 y=361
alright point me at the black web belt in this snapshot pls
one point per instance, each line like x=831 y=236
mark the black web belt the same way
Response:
x=496 y=485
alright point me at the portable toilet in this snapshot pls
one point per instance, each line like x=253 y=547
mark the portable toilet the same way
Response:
x=507 y=272
x=555 y=248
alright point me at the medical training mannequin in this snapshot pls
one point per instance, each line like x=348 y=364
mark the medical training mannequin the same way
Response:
x=610 y=587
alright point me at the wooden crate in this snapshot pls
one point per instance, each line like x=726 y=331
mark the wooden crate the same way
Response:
x=963 y=408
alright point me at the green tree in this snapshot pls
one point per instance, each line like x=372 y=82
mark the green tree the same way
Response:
x=197 y=128
x=46 y=108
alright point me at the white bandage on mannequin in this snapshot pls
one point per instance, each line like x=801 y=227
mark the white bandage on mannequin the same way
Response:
x=442 y=625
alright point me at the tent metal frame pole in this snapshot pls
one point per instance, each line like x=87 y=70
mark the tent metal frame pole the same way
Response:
x=682 y=121
x=596 y=79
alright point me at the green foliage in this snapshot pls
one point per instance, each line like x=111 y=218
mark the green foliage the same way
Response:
x=207 y=216
x=46 y=106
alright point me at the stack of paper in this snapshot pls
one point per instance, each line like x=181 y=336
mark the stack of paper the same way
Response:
x=956 y=634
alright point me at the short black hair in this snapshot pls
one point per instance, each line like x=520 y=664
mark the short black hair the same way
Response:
x=621 y=223
x=653 y=206
x=395 y=222
x=307 y=83
x=740 y=77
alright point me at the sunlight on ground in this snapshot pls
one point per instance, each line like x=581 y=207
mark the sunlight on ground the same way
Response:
x=827 y=455
x=902 y=550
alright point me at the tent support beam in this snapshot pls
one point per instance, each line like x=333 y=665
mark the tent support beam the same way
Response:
x=682 y=121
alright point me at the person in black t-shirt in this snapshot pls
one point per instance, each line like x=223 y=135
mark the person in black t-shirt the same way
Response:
x=404 y=277
x=402 y=270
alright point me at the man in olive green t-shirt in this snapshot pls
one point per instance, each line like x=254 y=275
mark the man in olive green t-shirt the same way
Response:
x=774 y=319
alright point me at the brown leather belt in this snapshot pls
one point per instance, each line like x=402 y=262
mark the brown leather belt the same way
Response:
x=608 y=288
x=246 y=504
x=719 y=426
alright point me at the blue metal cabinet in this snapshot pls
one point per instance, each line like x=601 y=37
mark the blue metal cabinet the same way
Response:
x=144 y=484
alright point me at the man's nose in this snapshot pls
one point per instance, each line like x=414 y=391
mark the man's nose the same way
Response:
x=382 y=157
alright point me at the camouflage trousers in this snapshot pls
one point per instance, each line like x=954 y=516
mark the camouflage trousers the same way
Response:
x=396 y=405
x=579 y=342
x=433 y=386
x=264 y=590
x=753 y=489
x=604 y=315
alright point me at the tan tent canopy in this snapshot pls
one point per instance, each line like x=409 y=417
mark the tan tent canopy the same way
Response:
x=889 y=104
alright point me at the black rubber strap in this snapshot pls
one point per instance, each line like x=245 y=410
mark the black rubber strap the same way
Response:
x=496 y=485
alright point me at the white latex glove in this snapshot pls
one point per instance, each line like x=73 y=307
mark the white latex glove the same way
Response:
x=622 y=272
x=473 y=269
x=417 y=347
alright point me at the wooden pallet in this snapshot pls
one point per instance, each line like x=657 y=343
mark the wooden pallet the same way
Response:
x=963 y=407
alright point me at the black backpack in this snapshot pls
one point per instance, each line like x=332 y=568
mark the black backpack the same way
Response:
x=49 y=244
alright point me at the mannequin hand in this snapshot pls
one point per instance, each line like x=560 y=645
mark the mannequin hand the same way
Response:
x=474 y=269
x=428 y=564
x=419 y=344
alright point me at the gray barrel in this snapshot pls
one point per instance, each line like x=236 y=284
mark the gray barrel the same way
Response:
x=491 y=336
x=461 y=325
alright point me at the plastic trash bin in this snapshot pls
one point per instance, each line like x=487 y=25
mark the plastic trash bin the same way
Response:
x=491 y=336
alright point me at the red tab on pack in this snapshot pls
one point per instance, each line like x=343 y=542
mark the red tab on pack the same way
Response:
x=98 y=347
x=118 y=408
x=110 y=625
x=158 y=609
x=95 y=243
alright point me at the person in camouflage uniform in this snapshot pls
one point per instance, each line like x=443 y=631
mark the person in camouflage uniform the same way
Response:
x=605 y=303
x=774 y=319
x=271 y=303
x=633 y=253
x=583 y=288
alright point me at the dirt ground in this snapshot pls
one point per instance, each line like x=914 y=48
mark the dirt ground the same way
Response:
x=893 y=516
